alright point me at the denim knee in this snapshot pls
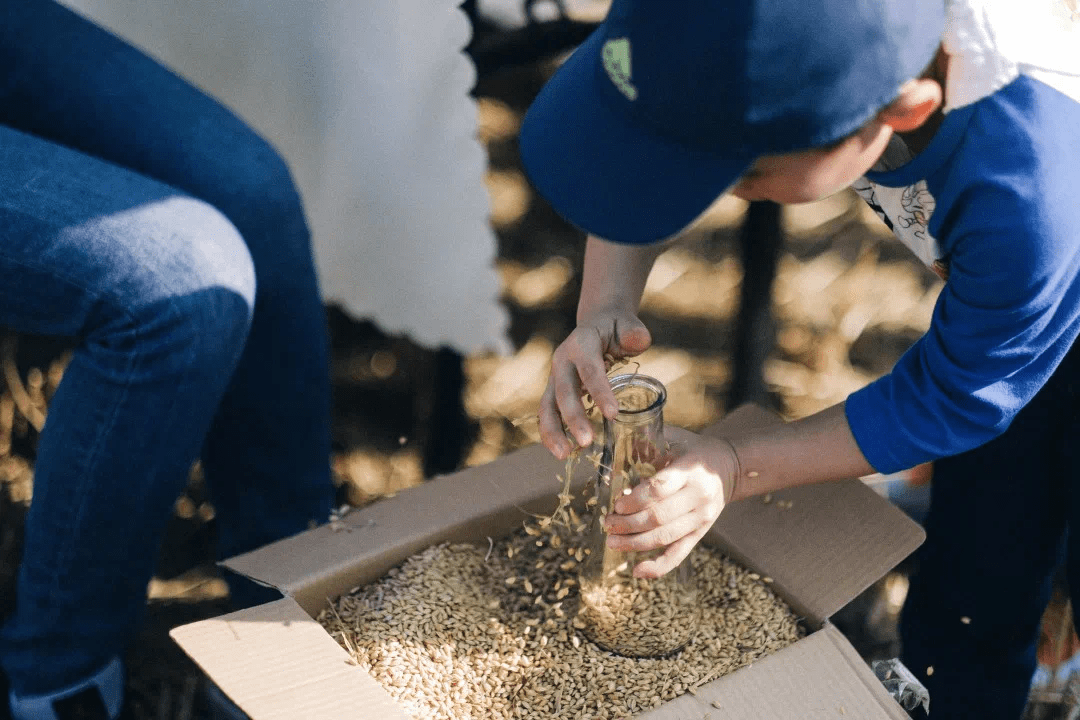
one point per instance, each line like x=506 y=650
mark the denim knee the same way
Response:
x=183 y=290
x=205 y=332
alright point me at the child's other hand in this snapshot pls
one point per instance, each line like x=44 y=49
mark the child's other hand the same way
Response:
x=677 y=506
x=577 y=367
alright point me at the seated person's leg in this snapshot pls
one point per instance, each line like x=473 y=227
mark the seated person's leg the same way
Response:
x=158 y=288
x=266 y=457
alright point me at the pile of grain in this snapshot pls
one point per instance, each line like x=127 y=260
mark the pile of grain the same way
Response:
x=460 y=631
x=640 y=618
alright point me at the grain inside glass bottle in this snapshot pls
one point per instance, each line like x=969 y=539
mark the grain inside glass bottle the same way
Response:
x=630 y=616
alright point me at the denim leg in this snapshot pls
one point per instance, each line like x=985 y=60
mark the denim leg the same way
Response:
x=158 y=288
x=266 y=457
x=996 y=519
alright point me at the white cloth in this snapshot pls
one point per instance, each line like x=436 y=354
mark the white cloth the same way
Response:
x=991 y=42
x=368 y=101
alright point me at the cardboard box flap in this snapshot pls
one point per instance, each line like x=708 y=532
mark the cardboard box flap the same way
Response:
x=832 y=542
x=323 y=563
x=274 y=661
x=819 y=677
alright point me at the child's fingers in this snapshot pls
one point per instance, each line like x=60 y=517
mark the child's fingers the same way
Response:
x=586 y=352
x=655 y=515
x=577 y=367
x=659 y=537
x=632 y=335
x=567 y=391
x=595 y=381
x=670 y=558
x=658 y=487
x=550 y=424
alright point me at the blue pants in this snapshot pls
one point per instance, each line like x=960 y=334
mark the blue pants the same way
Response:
x=141 y=218
x=994 y=531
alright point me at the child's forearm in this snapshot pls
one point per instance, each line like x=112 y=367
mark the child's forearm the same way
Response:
x=614 y=275
x=814 y=449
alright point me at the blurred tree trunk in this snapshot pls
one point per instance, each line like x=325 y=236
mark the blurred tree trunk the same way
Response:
x=760 y=240
x=448 y=429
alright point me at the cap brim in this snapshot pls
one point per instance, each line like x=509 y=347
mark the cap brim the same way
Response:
x=608 y=174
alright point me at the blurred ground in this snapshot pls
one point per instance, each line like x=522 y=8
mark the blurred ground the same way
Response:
x=848 y=302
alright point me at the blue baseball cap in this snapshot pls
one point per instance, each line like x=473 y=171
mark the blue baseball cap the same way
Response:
x=668 y=102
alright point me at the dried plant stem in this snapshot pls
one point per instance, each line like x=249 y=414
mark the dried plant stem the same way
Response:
x=34 y=415
x=7 y=422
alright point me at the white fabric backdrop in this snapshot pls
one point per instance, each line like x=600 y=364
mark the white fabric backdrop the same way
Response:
x=368 y=101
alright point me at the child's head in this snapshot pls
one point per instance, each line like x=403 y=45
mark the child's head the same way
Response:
x=669 y=102
x=816 y=173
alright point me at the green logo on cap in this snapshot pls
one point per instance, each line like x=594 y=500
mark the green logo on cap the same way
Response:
x=616 y=55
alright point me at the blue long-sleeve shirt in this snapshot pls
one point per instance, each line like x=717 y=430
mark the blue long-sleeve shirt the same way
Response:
x=1000 y=187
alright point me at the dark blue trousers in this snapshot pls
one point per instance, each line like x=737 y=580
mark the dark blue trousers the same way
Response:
x=995 y=529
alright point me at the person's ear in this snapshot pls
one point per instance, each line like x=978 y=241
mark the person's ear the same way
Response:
x=917 y=101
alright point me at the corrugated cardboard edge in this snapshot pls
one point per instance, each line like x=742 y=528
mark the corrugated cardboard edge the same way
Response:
x=804 y=677
x=275 y=662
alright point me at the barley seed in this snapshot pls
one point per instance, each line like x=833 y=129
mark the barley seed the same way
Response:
x=451 y=636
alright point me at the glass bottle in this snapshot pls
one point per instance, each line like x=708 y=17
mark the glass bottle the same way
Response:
x=632 y=616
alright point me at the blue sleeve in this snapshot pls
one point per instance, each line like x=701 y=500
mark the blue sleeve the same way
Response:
x=1007 y=315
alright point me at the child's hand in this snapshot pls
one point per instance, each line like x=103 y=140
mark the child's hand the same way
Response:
x=577 y=367
x=677 y=506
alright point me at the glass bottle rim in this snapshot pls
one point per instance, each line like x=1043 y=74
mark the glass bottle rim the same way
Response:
x=629 y=380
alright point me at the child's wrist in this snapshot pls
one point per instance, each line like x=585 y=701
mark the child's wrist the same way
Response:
x=734 y=481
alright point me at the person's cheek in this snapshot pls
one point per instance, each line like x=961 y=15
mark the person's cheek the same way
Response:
x=794 y=189
x=746 y=191
x=819 y=183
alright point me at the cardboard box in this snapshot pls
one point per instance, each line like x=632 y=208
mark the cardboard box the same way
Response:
x=834 y=541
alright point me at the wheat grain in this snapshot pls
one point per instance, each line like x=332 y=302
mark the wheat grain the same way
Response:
x=450 y=636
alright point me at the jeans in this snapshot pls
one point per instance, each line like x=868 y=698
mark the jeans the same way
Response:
x=144 y=220
x=996 y=524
